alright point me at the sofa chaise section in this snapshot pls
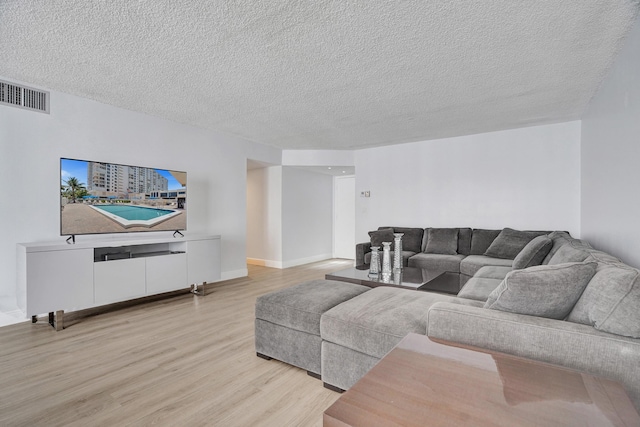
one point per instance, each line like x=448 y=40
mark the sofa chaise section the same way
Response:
x=287 y=323
x=360 y=331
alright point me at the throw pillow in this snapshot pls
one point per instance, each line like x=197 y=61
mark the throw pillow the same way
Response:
x=545 y=291
x=481 y=240
x=510 y=242
x=569 y=252
x=533 y=253
x=442 y=241
x=379 y=236
x=610 y=302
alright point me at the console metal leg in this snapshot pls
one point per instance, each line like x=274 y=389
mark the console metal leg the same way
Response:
x=56 y=320
x=34 y=319
x=198 y=290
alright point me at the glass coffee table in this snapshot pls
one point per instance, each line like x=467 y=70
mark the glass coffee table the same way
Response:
x=408 y=278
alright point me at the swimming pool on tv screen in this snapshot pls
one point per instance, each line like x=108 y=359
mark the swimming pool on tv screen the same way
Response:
x=134 y=213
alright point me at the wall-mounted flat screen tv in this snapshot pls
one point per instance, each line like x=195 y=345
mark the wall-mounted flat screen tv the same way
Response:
x=99 y=197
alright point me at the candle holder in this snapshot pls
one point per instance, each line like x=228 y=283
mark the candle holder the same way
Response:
x=374 y=263
x=398 y=262
x=386 y=258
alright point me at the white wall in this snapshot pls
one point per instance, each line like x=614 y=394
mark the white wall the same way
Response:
x=610 y=158
x=32 y=144
x=290 y=216
x=307 y=216
x=264 y=216
x=526 y=178
x=344 y=217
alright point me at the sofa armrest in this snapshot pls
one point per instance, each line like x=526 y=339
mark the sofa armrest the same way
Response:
x=361 y=250
x=572 y=345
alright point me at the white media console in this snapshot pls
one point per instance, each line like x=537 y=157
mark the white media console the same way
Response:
x=54 y=277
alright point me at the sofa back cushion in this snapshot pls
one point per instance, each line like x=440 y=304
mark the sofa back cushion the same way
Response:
x=412 y=239
x=510 y=242
x=481 y=240
x=546 y=290
x=569 y=252
x=611 y=301
x=602 y=258
x=381 y=235
x=533 y=253
x=561 y=238
x=464 y=241
x=442 y=241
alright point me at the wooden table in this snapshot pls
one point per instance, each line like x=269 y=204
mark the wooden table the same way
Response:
x=408 y=278
x=425 y=383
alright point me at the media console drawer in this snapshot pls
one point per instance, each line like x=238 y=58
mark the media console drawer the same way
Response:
x=166 y=273
x=119 y=280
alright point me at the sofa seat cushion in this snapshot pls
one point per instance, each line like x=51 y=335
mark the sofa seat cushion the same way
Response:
x=405 y=257
x=436 y=262
x=484 y=282
x=548 y=291
x=479 y=288
x=611 y=301
x=299 y=307
x=471 y=264
x=375 y=321
x=493 y=272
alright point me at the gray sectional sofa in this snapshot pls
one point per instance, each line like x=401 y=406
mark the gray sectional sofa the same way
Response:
x=458 y=250
x=558 y=300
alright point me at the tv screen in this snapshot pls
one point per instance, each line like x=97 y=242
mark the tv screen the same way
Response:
x=98 y=197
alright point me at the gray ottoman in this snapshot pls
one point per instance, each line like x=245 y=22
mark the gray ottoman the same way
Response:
x=288 y=321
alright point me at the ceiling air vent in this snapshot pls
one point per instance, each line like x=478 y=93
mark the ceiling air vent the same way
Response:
x=24 y=97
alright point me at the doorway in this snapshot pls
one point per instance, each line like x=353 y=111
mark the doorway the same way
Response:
x=344 y=217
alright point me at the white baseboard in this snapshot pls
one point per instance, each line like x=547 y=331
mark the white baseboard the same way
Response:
x=234 y=274
x=264 y=262
x=301 y=261
x=287 y=264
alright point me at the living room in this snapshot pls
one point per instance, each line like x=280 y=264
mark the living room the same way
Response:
x=574 y=172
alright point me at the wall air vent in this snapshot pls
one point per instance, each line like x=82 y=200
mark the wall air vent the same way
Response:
x=24 y=97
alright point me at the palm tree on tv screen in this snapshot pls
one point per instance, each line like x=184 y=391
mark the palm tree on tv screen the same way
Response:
x=74 y=189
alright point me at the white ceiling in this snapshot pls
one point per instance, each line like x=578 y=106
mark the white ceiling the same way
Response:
x=323 y=74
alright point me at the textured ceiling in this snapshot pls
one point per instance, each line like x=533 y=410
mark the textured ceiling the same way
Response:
x=323 y=74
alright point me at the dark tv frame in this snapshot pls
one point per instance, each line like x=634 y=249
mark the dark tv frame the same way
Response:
x=71 y=234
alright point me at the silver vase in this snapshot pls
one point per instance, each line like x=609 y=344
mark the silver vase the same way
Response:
x=374 y=264
x=386 y=259
x=397 y=251
x=397 y=277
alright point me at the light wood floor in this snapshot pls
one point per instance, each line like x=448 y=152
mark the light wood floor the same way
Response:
x=180 y=361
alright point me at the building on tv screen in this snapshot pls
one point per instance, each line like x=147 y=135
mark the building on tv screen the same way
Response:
x=98 y=197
